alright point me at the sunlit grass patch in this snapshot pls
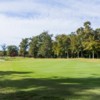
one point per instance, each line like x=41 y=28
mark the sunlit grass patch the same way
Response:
x=49 y=79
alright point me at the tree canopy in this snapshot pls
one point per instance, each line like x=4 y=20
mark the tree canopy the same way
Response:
x=84 y=42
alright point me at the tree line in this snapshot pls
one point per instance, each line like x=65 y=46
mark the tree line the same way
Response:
x=84 y=43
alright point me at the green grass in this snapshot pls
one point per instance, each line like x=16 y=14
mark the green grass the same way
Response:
x=49 y=79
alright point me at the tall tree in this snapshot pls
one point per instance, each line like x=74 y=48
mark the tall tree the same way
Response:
x=74 y=45
x=4 y=47
x=23 y=47
x=55 y=49
x=45 y=45
x=12 y=50
x=34 y=46
x=61 y=45
x=80 y=33
x=89 y=42
x=97 y=39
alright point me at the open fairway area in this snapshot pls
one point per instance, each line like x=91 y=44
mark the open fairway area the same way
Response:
x=49 y=79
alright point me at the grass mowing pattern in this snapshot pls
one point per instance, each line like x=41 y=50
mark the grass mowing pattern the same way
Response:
x=49 y=79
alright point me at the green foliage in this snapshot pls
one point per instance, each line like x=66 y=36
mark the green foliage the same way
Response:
x=1 y=53
x=45 y=45
x=12 y=50
x=41 y=46
x=23 y=47
x=33 y=46
x=61 y=45
x=84 y=42
x=4 y=49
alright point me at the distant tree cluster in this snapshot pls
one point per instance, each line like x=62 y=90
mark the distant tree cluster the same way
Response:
x=85 y=42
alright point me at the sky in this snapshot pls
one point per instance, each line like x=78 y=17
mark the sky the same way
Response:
x=26 y=18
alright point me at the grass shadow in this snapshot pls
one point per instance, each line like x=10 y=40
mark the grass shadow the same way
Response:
x=12 y=72
x=49 y=88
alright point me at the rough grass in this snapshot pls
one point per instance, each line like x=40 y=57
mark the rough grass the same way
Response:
x=49 y=79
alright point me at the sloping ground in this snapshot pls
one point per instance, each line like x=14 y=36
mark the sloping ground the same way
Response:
x=49 y=79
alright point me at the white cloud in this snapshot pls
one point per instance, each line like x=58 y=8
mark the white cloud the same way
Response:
x=13 y=29
x=26 y=18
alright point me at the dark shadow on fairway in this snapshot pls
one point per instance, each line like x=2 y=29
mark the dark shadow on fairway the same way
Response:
x=12 y=72
x=50 y=89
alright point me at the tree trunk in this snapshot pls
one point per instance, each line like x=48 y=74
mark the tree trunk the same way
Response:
x=97 y=55
x=67 y=55
x=78 y=54
x=89 y=55
x=93 y=54
x=72 y=54
x=81 y=54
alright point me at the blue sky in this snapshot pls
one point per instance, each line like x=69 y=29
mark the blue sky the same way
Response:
x=27 y=18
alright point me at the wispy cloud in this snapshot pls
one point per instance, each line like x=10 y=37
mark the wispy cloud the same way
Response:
x=25 y=18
